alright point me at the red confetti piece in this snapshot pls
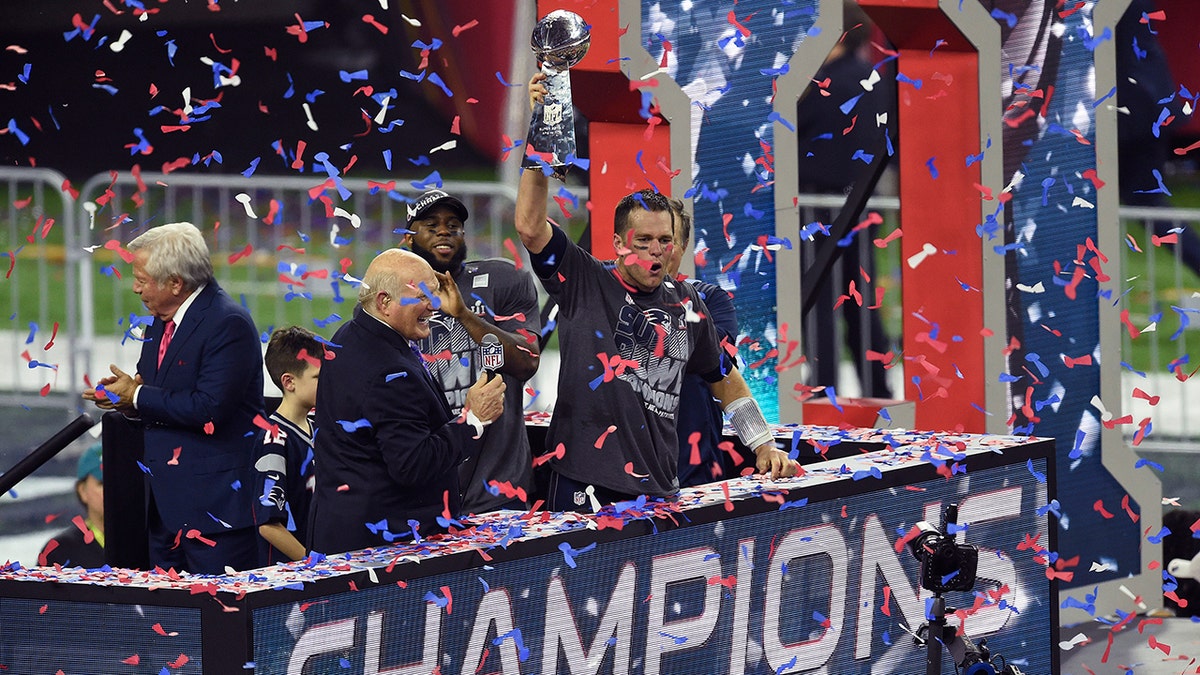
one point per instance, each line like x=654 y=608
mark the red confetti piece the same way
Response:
x=209 y=427
x=161 y=631
x=174 y=461
x=88 y=536
x=729 y=449
x=195 y=534
x=50 y=546
x=370 y=21
x=1125 y=505
x=604 y=436
x=733 y=20
x=558 y=453
x=628 y=465
x=1098 y=507
x=1184 y=151
x=132 y=660
x=179 y=662
x=694 y=442
x=449 y=599
x=53 y=335
x=725 y=491
x=1085 y=360
x=240 y=254
x=887 y=596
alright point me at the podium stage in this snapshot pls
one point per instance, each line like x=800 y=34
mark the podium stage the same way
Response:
x=744 y=576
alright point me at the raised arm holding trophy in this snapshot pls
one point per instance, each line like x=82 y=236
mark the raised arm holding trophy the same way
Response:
x=560 y=40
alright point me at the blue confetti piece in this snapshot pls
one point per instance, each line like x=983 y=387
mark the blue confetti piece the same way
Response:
x=351 y=427
x=777 y=118
x=933 y=172
x=1041 y=477
x=831 y=393
x=515 y=634
x=437 y=80
x=1000 y=15
x=16 y=131
x=794 y=504
x=392 y=376
x=1153 y=465
x=504 y=82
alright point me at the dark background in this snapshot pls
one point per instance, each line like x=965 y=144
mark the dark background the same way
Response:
x=79 y=128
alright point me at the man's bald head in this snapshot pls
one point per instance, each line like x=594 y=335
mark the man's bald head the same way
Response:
x=398 y=289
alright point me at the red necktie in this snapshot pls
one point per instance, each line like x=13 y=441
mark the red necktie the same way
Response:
x=168 y=331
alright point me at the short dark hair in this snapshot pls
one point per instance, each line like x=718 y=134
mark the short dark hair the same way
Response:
x=283 y=352
x=648 y=200
x=685 y=221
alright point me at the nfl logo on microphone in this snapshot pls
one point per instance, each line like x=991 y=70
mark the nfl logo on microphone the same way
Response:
x=493 y=355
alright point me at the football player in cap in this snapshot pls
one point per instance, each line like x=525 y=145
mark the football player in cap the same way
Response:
x=484 y=297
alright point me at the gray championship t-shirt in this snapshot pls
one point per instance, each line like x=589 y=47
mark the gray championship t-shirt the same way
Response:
x=623 y=357
x=505 y=297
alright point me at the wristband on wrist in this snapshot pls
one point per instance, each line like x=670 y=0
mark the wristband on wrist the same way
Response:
x=748 y=421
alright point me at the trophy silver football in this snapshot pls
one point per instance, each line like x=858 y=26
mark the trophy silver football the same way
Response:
x=560 y=40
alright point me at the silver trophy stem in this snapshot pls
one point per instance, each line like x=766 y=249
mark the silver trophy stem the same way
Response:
x=551 y=137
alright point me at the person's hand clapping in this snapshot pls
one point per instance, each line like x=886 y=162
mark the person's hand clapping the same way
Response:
x=120 y=385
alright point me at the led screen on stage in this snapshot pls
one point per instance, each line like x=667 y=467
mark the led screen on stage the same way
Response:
x=51 y=636
x=809 y=586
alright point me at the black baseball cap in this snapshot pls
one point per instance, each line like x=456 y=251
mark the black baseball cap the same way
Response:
x=431 y=198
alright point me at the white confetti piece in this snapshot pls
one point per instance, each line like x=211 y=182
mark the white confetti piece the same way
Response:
x=354 y=219
x=383 y=110
x=1036 y=288
x=1067 y=645
x=120 y=43
x=1080 y=201
x=1104 y=413
x=245 y=200
x=920 y=256
x=448 y=145
x=312 y=123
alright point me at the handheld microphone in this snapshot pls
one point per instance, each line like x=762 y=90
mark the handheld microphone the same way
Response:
x=491 y=353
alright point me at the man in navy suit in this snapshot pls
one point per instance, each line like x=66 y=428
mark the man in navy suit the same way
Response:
x=387 y=447
x=197 y=391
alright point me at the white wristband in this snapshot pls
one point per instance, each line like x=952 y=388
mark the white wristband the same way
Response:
x=748 y=421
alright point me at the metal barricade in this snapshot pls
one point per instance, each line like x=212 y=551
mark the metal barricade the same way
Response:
x=40 y=286
x=279 y=244
x=277 y=241
x=1162 y=294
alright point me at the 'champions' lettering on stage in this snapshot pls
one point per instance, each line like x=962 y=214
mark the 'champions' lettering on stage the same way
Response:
x=731 y=597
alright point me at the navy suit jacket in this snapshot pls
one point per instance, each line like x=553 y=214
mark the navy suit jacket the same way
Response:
x=387 y=447
x=211 y=373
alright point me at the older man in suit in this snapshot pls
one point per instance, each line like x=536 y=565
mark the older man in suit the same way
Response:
x=387 y=446
x=197 y=391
